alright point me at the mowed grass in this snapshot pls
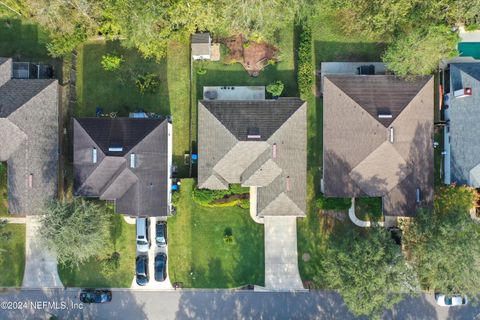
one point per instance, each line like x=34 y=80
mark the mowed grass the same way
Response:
x=95 y=272
x=198 y=254
x=22 y=40
x=314 y=231
x=3 y=190
x=115 y=91
x=12 y=256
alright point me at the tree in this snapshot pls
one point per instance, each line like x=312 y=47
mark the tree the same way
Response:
x=276 y=88
x=420 y=51
x=445 y=244
x=111 y=62
x=4 y=235
x=368 y=270
x=76 y=230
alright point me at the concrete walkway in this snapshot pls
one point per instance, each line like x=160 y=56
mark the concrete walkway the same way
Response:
x=40 y=263
x=253 y=206
x=361 y=223
x=19 y=220
x=281 y=258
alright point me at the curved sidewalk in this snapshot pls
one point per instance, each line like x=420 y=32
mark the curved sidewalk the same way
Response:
x=361 y=223
x=40 y=264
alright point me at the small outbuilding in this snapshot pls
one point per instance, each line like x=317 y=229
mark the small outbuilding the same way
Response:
x=201 y=46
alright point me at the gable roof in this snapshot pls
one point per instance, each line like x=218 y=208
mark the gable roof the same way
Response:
x=227 y=155
x=29 y=145
x=464 y=116
x=201 y=37
x=359 y=157
x=139 y=191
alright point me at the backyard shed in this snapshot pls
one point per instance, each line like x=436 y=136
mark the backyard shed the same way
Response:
x=201 y=46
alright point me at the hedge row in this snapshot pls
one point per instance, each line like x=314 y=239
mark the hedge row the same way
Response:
x=305 y=73
x=205 y=197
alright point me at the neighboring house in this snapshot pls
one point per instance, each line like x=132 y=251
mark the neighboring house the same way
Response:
x=201 y=46
x=261 y=144
x=378 y=140
x=462 y=115
x=125 y=160
x=29 y=142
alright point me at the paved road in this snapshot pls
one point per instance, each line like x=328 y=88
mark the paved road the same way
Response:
x=211 y=304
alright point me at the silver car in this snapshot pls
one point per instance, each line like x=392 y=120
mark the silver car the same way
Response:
x=142 y=235
x=450 y=301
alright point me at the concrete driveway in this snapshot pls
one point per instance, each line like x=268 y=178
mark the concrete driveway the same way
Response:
x=40 y=263
x=281 y=262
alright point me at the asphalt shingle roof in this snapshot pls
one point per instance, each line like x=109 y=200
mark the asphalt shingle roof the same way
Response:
x=227 y=155
x=29 y=145
x=359 y=159
x=464 y=115
x=139 y=191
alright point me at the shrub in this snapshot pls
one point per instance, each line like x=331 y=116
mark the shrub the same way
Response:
x=63 y=44
x=305 y=71
x=276 y=88
x=201 y=71
x=206 y=197
x=333 y=203
x=147 y=83
x=111 y=62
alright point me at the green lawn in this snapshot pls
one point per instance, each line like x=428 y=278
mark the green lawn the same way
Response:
x=22 y=40
x=12 y=256
x=96 y=273
x=329 y=44
x=369 y=209
x=3 y=190
x=116 y=91
x=198 y=255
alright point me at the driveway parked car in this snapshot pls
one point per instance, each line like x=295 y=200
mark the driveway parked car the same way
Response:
x=142 y=235
x=161 y=267
x=95 y=296
x=161 y=234
x=142 y=270
x=450 y=301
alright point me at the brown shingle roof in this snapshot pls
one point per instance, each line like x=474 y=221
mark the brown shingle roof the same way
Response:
x=359 y=159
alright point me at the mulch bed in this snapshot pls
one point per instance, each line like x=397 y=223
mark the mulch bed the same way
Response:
x=254 y=56
x=231 y=198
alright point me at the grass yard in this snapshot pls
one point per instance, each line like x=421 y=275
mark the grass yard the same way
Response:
x=198 y=255
x=369 y=209
x=96 y=272
x=329 y=44
x=12 y=256
x=22 y=40
x=115 y=91
x=3 y=190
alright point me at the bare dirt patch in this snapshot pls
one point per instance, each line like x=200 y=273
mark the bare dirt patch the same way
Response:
x=254 y=56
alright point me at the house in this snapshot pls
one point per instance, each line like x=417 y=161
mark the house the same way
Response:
x=30 y=139
x=378 y=140
x=261 y=144
x=462 y=115
x=125 y=160
x=201 y=46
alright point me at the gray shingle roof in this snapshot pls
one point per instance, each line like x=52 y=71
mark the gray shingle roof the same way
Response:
x=359 y=159
x=201 y=37
x=29 y=125
x=464 y=115
x=139 y=191
x=227 y=156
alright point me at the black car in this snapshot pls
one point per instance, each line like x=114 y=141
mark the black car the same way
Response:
x=95 y=296
x=161 y=234
x=142 y=270
x=160 y=267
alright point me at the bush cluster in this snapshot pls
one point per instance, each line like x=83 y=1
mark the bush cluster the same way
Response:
x=305 y=68
x=206 y=197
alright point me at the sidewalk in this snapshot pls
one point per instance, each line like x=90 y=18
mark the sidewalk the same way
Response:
x=19 y=220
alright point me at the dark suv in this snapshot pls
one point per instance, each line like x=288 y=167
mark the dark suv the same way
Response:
x=142 y=270
x=161 y=234
x=160 y=267
x=95 y=296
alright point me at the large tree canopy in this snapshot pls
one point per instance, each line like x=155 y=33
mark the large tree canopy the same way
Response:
x=445 y=245
x=419 y=52
x=76 y=230
x=368 y=270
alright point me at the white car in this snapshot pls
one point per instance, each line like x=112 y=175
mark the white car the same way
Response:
x=450 y=301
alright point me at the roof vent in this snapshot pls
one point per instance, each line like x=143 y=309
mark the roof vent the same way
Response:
x=289 y=183
x=115 y=149
x=132 y=160
x=385 y=115
x=464 y=92
x=94 y=155
x=274 y=151
x=418 y=195
x=391 y=132
x=253 y=133
x=30 y=180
